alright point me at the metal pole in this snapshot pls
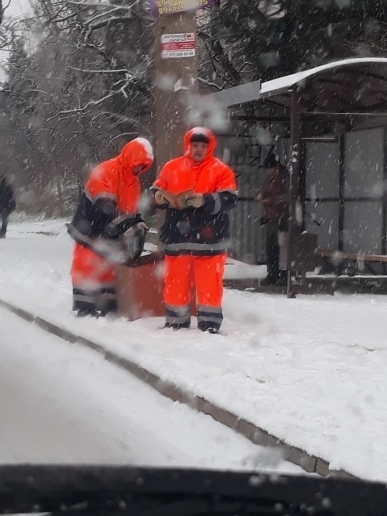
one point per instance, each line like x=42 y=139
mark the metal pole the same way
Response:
x=384 y=207
x=294 y=170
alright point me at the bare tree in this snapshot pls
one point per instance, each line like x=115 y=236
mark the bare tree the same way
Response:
x=84 y=91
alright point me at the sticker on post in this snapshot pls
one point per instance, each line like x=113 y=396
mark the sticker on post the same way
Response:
x=178 y=45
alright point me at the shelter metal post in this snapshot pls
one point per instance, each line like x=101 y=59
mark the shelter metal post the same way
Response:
x=294 y=172
x=341 y=192
x=384 y=208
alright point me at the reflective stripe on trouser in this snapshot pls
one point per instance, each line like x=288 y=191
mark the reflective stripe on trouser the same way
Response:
x=93 y=279
x=209 y=317
x=206 y=272
x=177 y=314
x=103 y=299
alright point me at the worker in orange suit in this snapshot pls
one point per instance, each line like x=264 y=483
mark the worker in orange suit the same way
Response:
x=196 y=190
x=107 y=228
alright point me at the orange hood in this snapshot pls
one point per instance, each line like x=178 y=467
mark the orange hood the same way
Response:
x=137 y=152
x=201 y=130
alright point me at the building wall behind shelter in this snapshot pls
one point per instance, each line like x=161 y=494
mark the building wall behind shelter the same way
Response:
x=364 y=175
x=347 y=203
x=343 y=204
x=244 y=156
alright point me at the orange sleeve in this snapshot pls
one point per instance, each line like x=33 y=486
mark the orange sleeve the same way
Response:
x=103 y=182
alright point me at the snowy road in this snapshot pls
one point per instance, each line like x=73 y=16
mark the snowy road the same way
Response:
x=61 y=403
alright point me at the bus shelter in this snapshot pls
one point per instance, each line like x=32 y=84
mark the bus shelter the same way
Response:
x=323 y=104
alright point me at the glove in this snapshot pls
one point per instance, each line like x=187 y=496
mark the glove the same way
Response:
x=133 y=241
x=165 y=197
x=186 y=199
x=126 y=248
x=196 y=201
x=142 y=227
x=159 y=199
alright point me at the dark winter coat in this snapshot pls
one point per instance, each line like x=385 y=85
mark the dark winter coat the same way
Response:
x=275 y=197
x=7 y=201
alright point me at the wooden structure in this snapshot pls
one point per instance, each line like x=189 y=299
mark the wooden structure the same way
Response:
x=317 y=104
x=140 y=285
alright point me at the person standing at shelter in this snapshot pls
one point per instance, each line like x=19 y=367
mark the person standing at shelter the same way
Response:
x=7 y=203
x=107 y=228
x=274 y=199
x=197 y=190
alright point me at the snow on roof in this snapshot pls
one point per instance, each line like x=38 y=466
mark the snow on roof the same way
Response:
x=276 y=86
x=255 y=90
x=236 y=95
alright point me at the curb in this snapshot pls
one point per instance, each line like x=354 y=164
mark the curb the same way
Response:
x=309 y=463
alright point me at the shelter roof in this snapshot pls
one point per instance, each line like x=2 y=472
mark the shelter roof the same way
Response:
x=356 y=85
x=348 y=86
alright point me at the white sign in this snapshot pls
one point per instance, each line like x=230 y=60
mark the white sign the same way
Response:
x=178 y=45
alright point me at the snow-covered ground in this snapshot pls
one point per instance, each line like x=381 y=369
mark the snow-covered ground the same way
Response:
x=62 y=403
x=309 y=370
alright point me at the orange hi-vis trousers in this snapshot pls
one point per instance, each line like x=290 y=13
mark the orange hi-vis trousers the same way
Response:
x=93 y=280
x=206 y=274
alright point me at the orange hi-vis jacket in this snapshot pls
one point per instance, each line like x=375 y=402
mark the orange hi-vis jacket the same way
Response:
x=112 y=181
x=205 y=230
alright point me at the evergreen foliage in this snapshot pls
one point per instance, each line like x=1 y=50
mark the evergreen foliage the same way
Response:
x=267 y=39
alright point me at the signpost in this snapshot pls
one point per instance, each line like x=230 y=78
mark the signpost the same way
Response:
x=176 y=80
x=176 y=71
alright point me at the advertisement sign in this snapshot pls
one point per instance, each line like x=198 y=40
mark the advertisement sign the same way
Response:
x=178 y=45
x=175 y=6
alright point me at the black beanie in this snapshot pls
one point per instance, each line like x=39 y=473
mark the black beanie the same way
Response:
x=199 y=137
x=271 y=160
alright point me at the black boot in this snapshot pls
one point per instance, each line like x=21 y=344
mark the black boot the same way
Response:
x=208 y=326
x=177 y=326
x=85 y=312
